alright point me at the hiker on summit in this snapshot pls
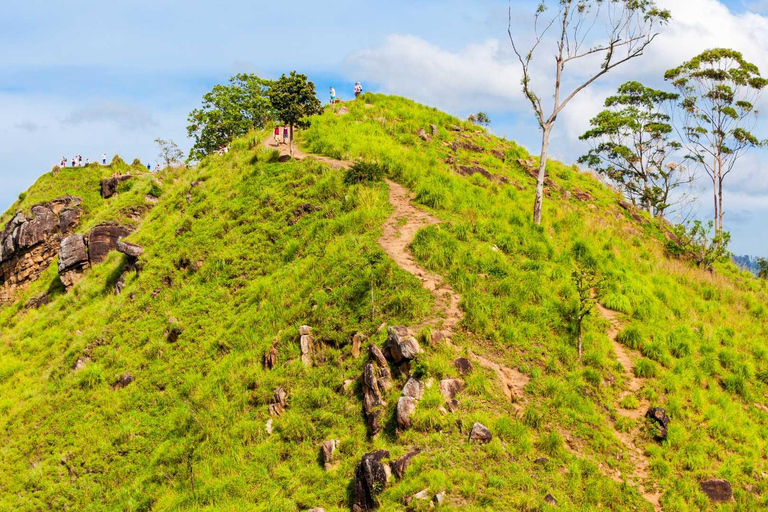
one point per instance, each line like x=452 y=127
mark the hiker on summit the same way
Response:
x=103 y=159
x=333 y=95
x=358 y=89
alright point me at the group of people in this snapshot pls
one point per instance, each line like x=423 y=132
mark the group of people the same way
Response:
x=222 y=150
x=77 y=161
x=358 y=92
x=281 y=134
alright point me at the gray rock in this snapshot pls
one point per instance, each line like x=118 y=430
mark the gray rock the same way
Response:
x=480 y=434
x=305 y=330
x=129 y=249
x=377 y=356
x=306 y=343
x=328 y=448
x=402 y=345
x=270 y=358
x=659 y=416
x=123 y=381
x=434 y=129
x=413 y=388
x=109 y=185
x=406 y=407
x=463 y=365
x=449 y=388
x=371 y=476
x=401 y=465
x=550 y=499
x=357 y=341
x=279 y=402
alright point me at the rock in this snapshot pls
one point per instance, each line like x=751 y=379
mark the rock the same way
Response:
x=346 y=386
x=423 y=135
x=316 y=509
x=406 y=407
x=463 y=365
x=465 y=170
x=371 y=476
x=413 y=388
x=306 y=342
x=453 y=405
x=269 y=426
x=454 y=128
x=81 y=363
x=37 y=301
x=357 y=341
x=372 y=400
x=174 y=330
x=120 y=284
x=122 y=381
x=279 y=402
x=73 y=259
x=436 y=337
x=109 y=185
x=717 y=490
x=342 y=111
x=440 y=497
x=498 y=154
x=102 y=239
x=69 y=218
x=384 y=379
x=270 y=358
x=421 y=495
x=401 y=465
x=550 y=499
x=541 y=460
x=129 y=249
x=659 y=416
x=402 y=345
x=328 y=448
x=377 y=356
x=305 y=330
x=480 y=433
x=435 y=131
x=449 y=388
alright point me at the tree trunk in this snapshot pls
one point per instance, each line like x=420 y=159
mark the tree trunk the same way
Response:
x=542 y=174
x=291 y=140
x=720 y=200
x=580 y=349
x=714 y=193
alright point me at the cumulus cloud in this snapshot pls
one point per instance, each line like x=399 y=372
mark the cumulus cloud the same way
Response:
x=126 y=117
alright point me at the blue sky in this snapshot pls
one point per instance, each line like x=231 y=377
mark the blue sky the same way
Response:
x=87 y=77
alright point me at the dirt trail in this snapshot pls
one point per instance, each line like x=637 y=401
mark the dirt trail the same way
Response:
x=298 y=154
x=636 y=453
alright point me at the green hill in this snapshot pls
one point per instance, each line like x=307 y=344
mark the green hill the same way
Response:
x=245 y=248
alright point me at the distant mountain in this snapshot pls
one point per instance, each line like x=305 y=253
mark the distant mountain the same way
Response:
x=746 y=263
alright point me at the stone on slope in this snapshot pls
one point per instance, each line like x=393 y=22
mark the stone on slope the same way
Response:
x=480 y=434
x=449 y=388
x=328 y=449
x=129 y=249
x=406 y=407
x=102 y=239
x=402 y=345
x=401 y=465
x=413 y=388
x=463 y=365
x=73 y=259
x=123 y=381
x=372 y=400
x=270 y=358
x=717 y=490
x=371 y=477
x=279 y=402
x=109 y=185
x=357 y=341
x=659 y=416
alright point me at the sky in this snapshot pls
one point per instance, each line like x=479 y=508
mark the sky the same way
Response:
x=90 y=77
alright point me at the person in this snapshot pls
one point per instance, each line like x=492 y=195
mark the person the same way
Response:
x=358 y=89
x=333 y=95
x=103 y=159
x=285 y=134
x=74 y=161
x=87 y=162
x=157 y=167
x=149 y=168
x=277 y=134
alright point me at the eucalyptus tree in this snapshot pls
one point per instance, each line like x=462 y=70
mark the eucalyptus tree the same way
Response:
x=718 y=91
x=631 y=145
x=589 y=37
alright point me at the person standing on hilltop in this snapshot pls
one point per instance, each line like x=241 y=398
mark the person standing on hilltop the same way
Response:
x=333 y=95
x=358 y=89
x=103 y=159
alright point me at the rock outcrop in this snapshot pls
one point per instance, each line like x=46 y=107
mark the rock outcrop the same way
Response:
x=660 y=418
x=78 y=252
x=373 y=403
x=371 y=476
x=279 y=402
x=109 y=185
x=28 y=245
x=307 y=343
x=717 y=490
x=401 y=344
x=401 y=465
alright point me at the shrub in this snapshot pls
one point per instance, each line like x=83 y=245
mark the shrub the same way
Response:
x=631 y=337
x=365 y=172
x=645 y=368
x=137 y=163
x=273 y=155
x=698 y=243
x=629 y=402
x=551 y=443
x=155 y=190
x=22 y=196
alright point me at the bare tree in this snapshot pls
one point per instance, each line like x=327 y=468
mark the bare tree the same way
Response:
x=630 y=26
x=170 y=154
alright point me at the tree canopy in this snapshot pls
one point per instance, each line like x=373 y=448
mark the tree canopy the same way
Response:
x=293 y=100
x=229 y=111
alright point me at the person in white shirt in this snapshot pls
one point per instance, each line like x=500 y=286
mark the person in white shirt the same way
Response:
x=104 y=159
x=333 y=95
x=358 y=89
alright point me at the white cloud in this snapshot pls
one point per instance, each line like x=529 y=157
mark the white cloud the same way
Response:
x=127 y=117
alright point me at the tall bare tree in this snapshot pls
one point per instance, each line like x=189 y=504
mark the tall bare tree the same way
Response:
x=629 y=27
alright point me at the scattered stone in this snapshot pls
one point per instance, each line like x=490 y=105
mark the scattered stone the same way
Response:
x=463 y=365
x=401 y=465
x=300 y=212
x=469 y=147
x=279 y=402
x=436 y=337
x=435 y=131
x=306 y=342
x=406 y=407
x=384 y=378
x=174 y=330
x=440 y=497
x=498 y=154
x=270 y=358
x=357 y=341
x=129 y=249
x=73 y=259
x=377 y=356
x=413 y=388
x=402 y=345
x=102 y=239
x=371 y=476
x=122 y=381
x=269 y=426
x=550 y=499
x=717 y=490
x=381 y=327
x=81 y=363
x=305 y=330
x=328 y=448
x=120 y=284
x=480 y=433
x=659 y=416
x=372 y=400
x=541 y=460
x=454 y=128
x=466 y=170
x=109 y=185
x=423 y=135
x=449 y=388
x=421 y=495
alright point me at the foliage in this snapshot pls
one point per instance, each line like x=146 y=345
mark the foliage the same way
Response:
x=170 y=154
x=481 y=118
x=719 y=90
x=294 y=100
x=699 y=243
x=364 y=172
x=631 y=146
x=762 y=268
x=228 y=111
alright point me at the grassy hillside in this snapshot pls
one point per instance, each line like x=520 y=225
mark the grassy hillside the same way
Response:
x=240 y=263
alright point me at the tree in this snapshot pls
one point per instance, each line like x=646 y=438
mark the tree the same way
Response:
x=699 y=243
x=170 y=153
x=481 y=118
x=718 y=91
x=631 y=145
x=293 y=100
x=630 y=26
x=585 y=279
x=228 y=111
x=762 y=268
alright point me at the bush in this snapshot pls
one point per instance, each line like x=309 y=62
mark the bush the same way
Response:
x=364 y=172
x=137 y=163
x=155 y=190
x=698 y=243
x=22 y=196
x=273 y=156
x=631 y=337
x=645 y=368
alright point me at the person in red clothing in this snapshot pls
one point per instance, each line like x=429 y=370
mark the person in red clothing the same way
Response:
x=277 y=134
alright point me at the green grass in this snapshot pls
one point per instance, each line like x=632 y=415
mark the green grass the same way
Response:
x=240 y=270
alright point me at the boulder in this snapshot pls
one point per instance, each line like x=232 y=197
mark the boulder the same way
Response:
x=357 y=341
x=371 y=476
x=372 y=400
x=73 y=259
x=449 y=388
x=435 y=131
x=305 y=330
x=413 y=388
x=436 y=337
x=550 y=500
x=384 y=378
x=480 y=434
x=454 y=128
x=423 y=136
x=306 y=343
x=102 y=239
x=328 y=448
x=270 y=358
x=406 y=408
x=279 y=402
x=463 y=365
x=440 y=497
x=402 y=345
x=122 y=381
x=401 y=465
x=129 y=249
x=377 y=356
x=659 y=416
x=717 y=490
x=422 y=495
x=109 y=185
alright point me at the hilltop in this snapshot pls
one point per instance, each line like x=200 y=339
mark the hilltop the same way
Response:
x=221 y=357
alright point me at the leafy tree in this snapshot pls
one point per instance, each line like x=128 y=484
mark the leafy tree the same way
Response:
x=293 y=100
x=170 y=153
x=585 y=277
x=228 y=111
x=630 y=26
x=480 y=118
x=762 y=268
x=631 y=146
x=699 y=243
x=718 y=91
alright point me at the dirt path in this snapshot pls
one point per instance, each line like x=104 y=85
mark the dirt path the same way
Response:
x=298 y=154
x=636 y=453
